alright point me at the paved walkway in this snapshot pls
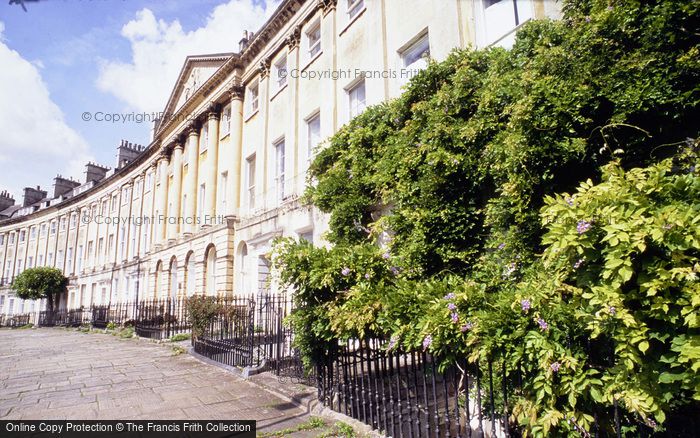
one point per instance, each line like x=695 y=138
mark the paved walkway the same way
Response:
x=65 y=374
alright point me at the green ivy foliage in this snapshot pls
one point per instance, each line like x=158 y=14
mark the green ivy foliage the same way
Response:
x=536 y=206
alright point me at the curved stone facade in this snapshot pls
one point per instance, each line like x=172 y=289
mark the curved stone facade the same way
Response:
x=196 y=210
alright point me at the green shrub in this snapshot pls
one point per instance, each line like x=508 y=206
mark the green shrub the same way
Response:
x=453 y=231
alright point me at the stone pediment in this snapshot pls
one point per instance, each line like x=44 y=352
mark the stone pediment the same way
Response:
x=195 y=71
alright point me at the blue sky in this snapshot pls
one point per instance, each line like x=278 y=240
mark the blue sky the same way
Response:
x=66 y=57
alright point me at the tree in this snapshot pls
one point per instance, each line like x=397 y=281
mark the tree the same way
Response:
x=37 y=283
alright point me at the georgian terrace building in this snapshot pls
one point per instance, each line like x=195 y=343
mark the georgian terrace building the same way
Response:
x=196 y=210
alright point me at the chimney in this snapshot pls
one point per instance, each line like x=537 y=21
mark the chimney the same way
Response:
x=127 y=152
x=243 y=43
x=33 y=195
x=6 y=200
x=95 y=172
x=62 y=185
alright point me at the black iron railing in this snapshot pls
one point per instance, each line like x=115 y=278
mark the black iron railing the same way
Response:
x=247 y=331
x=161 y=318
x=15 y=320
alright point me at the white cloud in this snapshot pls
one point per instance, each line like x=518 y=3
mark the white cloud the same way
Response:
x=35 y=141
x=159 y=49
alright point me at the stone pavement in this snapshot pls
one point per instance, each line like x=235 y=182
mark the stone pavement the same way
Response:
x=65 y=374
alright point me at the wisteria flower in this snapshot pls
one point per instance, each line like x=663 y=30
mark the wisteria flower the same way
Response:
x=451 y=306
x=510 y=269
x=386 y=255
x=454 y=317
x=543 y=324
x=466 y=327
x=582 y=226
x=555 y=366
x=578 y=263
x=394 y=270
x=588 y=19
x=449 y=296
x=367 y=276
x=667 y=226
x=501 y=246
x=612 y=310
x=345 y=271
x=609 y=8
x=570 y=201
x=392 y=342
x=525 y=305
x=427 y=342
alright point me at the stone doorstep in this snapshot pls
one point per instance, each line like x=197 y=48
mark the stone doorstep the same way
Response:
x=304 y=397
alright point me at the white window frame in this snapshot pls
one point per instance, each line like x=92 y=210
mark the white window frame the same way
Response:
x=225 y=121
x=204 y=138
x=279 y=147
x=354 y=8
x=250 y=180
x=313 y=47
x=355 y=110
x=253 y=91
x=223 y=182
x=312 y=142
x=279 y=77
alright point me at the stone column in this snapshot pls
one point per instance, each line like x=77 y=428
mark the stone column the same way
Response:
x=234 y=164
x=173 y=226
x=162 y=198
x=212 y=171
x=191 y=182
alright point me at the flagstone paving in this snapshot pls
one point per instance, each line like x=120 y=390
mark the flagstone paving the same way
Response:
x=65 y=374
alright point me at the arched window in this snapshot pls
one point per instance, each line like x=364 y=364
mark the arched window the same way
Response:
x=173 y=278
x=210 y=272
x=190 y=275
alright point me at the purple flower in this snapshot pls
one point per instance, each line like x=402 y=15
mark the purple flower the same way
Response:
x=450 y=296
x=612 y=310
x=394 y=270
x=588 y=19
x=427 y=342
x=455 y=161
x=668 y=226
x=578 y=263
x=467 y=326
x=570 y=201
x=525 y=305
x=501 y=246
x=543 y=324
x=451 y=306
x=555 y=366
x=345 y=271
x=386 y=255
x=367 y=276
x=454 y=317
x=583 y=226
x=510 y=269
x=609 y=8
x=392 y=342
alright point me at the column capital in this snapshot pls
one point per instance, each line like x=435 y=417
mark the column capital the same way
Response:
x=163 y=156
x=265 y=67
x=192 y=128
x=327 y=6
x=293 y=38
x=213 y=110
x=236 y=90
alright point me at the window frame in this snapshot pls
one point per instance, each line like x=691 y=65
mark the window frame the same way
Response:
x=355 y=110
